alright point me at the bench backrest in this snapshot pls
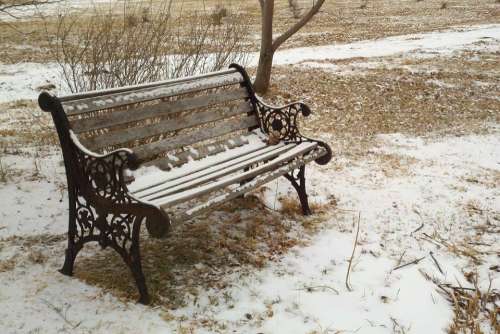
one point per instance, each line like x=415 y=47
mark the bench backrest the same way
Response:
x=166 y=123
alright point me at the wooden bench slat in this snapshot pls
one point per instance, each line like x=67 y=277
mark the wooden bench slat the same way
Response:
x=86 y=105
x=299 y=150
x=161 y=109
x=101 y=92
x=234 y=193
x=214 y=165
x=169 y=162
x=144 y=152
x=135 y=133
x=198 y=179
x=197 y=166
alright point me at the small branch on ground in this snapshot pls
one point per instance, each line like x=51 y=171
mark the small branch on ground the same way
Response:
x=312 y=288
x=421 y=219
x=401 y=258
x=436 y=262
x=63 y=315
x=352 y=255
x=416 y=261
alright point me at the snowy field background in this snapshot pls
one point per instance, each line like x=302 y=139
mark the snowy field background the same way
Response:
x=24 y=80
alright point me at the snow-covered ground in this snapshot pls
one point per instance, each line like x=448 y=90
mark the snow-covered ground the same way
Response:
x=305 y=290
x=412 y=196
x=444 y=42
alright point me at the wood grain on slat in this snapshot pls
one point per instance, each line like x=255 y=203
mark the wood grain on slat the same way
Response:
x=120 y=99
x=167 y=163
x=147 y=151
x=297 y=151
x=197 y=170
x=165 y=126
x=234 y=193
x=95 y=93
x=203 y=177
x=110 y=119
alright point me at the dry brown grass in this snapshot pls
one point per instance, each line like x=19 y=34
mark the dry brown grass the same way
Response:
x=30 y=249
x=23 y=124
x=209 y=252
x=475 y=310
x=290 y=206
x=7 y=264
x=405 y=98
x=394 y=165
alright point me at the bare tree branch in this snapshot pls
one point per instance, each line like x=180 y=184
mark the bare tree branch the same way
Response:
x=296 y=27
x=7 y=7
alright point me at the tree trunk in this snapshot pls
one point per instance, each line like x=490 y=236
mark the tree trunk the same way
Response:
x=263 y=77
x=268 y=46
x=261 y=83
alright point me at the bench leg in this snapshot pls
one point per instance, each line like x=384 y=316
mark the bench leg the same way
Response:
x=299 y=183
x=129 y=250
x=69 y=262
x=133 y=260
x=90 y=226
x=72 y=249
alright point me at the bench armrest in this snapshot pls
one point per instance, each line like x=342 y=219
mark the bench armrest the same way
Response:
x=101 y=180
x=281 y=124
x=104 y=174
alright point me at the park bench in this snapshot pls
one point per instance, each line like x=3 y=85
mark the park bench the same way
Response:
x=192 y=144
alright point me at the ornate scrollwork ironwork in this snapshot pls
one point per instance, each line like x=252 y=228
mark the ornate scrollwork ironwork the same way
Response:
x=103 y=174
x=102 y=197
x=105 y=211
x=282 y=122
x=102 y=210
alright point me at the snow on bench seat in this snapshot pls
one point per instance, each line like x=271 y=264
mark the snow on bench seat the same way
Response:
x=152 y=176
x=248 y=186
x=168 y=198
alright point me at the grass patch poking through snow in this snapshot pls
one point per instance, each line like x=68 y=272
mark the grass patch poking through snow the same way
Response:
x=209 y=252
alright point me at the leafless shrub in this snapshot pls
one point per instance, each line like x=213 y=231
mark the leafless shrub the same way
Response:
x=444 y=5
x=219 y=13
x=364 y=4
x=12 y=8
x=135 y=43
x=295 y=8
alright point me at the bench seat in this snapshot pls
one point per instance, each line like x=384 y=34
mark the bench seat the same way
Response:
x=224 y=171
